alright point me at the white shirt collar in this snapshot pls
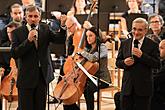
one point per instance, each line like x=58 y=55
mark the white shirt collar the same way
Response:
x=140 y=42
x=29 y=27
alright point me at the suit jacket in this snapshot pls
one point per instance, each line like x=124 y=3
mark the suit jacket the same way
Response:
x=28 y=56
x=159 y=79
x=139 y=75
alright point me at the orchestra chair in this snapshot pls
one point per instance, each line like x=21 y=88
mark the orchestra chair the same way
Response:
x=114 y=73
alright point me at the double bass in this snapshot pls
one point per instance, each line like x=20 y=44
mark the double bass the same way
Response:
x=71 y=87
x=8 y=85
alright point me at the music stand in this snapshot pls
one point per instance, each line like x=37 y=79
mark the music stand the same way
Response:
x=132 y=16
x=113 y=6
x=59 y=5
x=103 y=21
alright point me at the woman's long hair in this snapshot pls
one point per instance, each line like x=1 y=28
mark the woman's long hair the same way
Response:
x=88 y=46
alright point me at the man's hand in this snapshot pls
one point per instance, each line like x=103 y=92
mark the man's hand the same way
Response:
x=137 y=52
x=129 y=61
x=32 y=35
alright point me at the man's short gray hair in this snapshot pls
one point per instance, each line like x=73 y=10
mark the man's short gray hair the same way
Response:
x=141 y=20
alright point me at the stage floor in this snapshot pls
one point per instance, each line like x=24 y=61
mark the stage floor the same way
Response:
x=107 y=102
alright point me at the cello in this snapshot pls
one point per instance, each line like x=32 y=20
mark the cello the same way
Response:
x=8 y=85
x=71 y=87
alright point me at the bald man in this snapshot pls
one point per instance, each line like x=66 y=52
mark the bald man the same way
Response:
x=158 y=99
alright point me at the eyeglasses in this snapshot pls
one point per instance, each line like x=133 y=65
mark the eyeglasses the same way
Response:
x=154 y=22
x=70 y=26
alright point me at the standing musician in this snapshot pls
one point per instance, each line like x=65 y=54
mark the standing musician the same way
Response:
x=30 y=49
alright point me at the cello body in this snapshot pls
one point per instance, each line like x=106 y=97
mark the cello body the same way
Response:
x=8 y=85
x=71 y=87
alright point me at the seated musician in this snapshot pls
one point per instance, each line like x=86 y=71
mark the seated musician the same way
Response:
x=125 y=20
x=91 y=54
x=93 y=41
x=72 y=25
x=5 y=57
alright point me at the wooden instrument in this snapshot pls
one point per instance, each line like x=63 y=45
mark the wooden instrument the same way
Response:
x=72 y=85
x=8 y=85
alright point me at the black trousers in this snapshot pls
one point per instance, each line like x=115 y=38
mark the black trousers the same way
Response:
x=117 y=101
x=135 y=102
x=89 y=91
x=71 y=107
x=33 y=98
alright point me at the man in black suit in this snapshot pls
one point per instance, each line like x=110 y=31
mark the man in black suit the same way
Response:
x=137 y=56
x=30 y=50
x=158 y=98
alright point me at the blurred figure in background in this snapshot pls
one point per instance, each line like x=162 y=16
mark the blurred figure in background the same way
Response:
x=5 y=57
x=157 y=31
x=17 y=15
x=133 y=8
x=161 y=8
x=25 y=3
x=79 y=7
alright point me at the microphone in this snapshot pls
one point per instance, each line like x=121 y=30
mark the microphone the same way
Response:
x=33 y=26
x=136 y=42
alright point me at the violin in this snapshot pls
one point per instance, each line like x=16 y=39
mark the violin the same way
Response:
x=71 y=87
x=8 y=87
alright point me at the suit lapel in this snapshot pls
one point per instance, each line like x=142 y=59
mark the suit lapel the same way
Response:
x=40 y=33
x=129 y=47
x=25 y=31
x=143 y=47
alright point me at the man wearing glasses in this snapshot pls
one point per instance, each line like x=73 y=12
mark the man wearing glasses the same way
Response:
x=156 y=32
